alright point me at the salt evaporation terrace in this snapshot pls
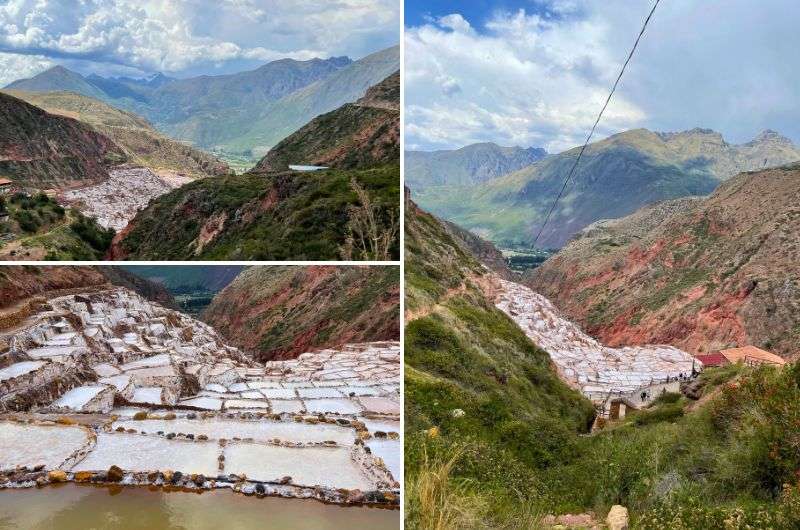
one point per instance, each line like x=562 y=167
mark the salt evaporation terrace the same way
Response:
x=600 y=372
x=105 y=386
x=117 y=200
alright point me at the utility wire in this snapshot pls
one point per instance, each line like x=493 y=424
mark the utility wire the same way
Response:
x=597 y=121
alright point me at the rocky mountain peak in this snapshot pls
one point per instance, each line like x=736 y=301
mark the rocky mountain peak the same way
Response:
x=772 y=137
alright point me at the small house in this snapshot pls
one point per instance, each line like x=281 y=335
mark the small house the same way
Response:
x=752 y=356
x=712 y=359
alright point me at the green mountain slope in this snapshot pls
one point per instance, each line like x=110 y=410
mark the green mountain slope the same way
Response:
x=211 y=110
x=475 y=386
x=292 y=215
x=141 y=143
x=42 y=150
x=469 y=165
x=281 y=312
x=616 y=176
x=356 y=135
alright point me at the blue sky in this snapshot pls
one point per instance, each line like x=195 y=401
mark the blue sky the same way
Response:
x=476 y=12
x=536 y=73
x=186 y=37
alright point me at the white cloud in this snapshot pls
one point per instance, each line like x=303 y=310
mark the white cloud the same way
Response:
x=529 y=80
x=524 y=81
x=176 y=35
x=13 y=67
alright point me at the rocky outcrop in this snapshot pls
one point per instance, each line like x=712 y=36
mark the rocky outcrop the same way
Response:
x=280 y=312
x=699 y=274
x=41 y=150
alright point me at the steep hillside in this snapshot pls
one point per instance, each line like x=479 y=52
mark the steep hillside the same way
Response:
x=141 y=143
x=146 y=288
x=493 y=436
x=700 y=274
x=616 y=177
x=469 y=165
x=475 y=386
x=21 y=282
x=269 y=125
x=356 y=135
x=291 y=215
x=41 y=150
x=281 y=312
x=35 y=228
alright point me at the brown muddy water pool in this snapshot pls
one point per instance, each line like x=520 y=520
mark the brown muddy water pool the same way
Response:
x=85 y=507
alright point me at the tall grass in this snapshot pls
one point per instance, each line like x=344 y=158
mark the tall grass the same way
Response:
x=437 y=500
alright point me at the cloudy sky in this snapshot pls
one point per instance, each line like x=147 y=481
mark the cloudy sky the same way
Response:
x=186 y=37
x=536 y=72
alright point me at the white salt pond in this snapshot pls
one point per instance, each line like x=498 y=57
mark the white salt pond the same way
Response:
x=308 y=466
x=380 y=405
x=296 y=167
x=133 y=452
x=32 y=445
x=391 y=452
x=18 y=369
x=292 y=406
x=258 y=430
x=73 y=506
x=338 y=406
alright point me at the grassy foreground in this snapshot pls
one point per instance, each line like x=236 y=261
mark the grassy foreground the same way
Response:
x=731 y=461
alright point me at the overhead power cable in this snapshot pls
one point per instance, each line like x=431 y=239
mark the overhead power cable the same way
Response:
x=597 y=121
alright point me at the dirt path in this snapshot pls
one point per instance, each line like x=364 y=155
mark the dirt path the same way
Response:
x=487 y=283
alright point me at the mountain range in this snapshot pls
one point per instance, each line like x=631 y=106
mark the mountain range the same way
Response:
x=702 y=273
x=616 y=176
x=246 y=112
x=467 y=166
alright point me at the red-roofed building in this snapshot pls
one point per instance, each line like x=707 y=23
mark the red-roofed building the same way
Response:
x=5 y=185
x=712 y=359
x=752 y=356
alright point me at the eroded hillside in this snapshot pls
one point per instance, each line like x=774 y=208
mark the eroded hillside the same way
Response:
x=141 y=143
x=281 y=312
x=42 y=150
x=700 y=274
